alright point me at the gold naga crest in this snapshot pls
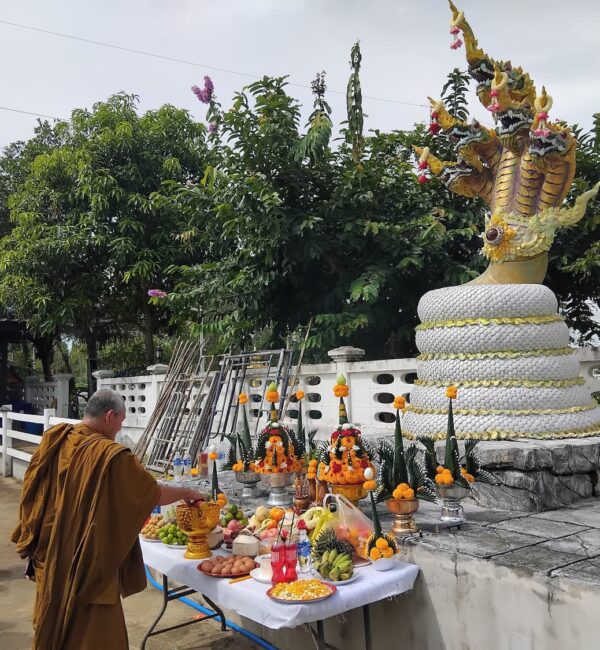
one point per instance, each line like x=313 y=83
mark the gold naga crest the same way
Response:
x=522 y=169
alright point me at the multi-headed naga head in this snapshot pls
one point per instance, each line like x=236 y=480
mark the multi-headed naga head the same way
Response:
x=548 y=140
x=522 y=169
x=513 y=115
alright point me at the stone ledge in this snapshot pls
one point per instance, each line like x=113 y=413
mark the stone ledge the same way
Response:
x=536 y=475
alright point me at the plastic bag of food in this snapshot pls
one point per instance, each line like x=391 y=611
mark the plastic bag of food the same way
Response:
x=350 y=523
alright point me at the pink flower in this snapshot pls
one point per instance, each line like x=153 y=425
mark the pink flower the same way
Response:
x=157 y=293
x=456 y=44
x=205 y=95
x=544 y=133
x=494 y=107
x=423 y=179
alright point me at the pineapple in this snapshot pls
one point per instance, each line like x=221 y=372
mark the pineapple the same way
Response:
x=332 y=557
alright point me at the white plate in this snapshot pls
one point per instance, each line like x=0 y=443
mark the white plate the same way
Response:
x=318 y=576
x=261 y=576
x=150 y=540
x=180 y=546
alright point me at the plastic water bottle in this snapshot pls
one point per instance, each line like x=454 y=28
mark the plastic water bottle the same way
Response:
x=177 y=466
x=187 y=466
x=303 y=545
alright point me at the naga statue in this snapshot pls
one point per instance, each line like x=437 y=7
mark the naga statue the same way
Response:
x=522 y=169
x=499 y=338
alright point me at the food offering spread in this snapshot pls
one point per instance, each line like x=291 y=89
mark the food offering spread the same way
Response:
x=342 y=462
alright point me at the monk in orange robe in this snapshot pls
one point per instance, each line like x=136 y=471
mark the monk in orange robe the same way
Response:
x=85 y=499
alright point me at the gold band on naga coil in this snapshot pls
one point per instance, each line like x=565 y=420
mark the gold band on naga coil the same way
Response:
x=508 y=320
x=593 y=430
x=498 y=354
x=527 y=383
x=463 y=411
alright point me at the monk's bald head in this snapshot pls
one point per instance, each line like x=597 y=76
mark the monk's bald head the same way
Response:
x=105 y=412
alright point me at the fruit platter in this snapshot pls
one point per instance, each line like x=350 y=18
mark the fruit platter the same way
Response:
x=232 y=566
x=149 y=532
x=172 y=536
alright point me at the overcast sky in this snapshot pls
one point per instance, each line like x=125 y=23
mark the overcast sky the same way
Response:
x=405 y=46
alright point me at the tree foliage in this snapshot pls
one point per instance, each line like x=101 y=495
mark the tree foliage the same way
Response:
x=94 y=221
x=255 y=227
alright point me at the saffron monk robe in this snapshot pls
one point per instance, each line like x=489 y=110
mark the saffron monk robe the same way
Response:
x=84 y=500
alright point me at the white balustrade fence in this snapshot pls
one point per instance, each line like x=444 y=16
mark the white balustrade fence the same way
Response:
x=18 y=446
x=373 y=386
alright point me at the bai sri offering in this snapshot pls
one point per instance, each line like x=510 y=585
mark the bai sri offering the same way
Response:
x=343 y=462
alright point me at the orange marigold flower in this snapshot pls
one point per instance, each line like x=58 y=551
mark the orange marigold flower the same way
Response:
x=299 y=394
x=388 y=552
x=408 y=494
x=451 y=392
x=341 y=390
x=382 y=544
x=213 y=455
x=272 y=396
x=399 y=402
x=439 y=469
x=402 y=486
x=370 y=485
x=243 y=398
x=375 y=553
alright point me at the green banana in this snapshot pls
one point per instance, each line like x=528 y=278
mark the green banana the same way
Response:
x=334 y=575
x=333 y=554
x=325 y=557
x=345 y=576
x=340 y=559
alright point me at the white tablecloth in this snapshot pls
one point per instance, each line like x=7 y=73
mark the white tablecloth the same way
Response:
x=248 y=598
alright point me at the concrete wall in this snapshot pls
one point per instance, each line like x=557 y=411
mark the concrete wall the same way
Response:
x=463 y=603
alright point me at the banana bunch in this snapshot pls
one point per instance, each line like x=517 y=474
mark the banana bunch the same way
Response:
x=334 y=566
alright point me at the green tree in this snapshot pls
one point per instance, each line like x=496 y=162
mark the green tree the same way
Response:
x=94 y=223
x=291 y=236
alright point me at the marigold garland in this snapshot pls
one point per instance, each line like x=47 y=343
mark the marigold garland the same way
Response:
x=243 y=398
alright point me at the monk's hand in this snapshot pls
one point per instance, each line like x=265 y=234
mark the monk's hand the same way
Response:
x=194 y=497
